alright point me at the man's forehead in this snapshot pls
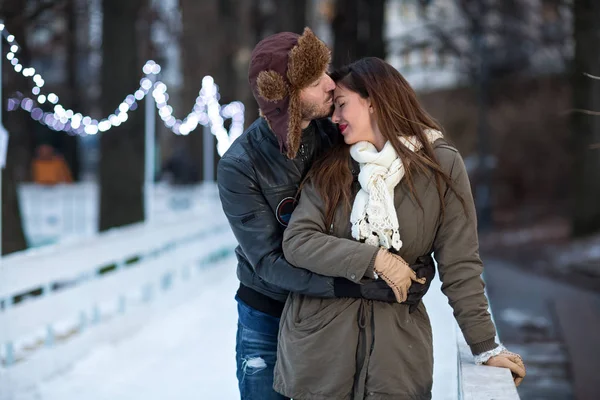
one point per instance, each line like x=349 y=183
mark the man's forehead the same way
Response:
x=318 y=79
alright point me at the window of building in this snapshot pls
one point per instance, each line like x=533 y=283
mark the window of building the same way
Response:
x=424 y=7
x=404 y=8
x=550 y=12
x=442 y=58
x=426 y=56
x=406 y=59
x=408 y=9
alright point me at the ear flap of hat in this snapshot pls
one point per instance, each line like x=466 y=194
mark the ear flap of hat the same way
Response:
x=294 y=135
x=271 y=86
x=309 y=59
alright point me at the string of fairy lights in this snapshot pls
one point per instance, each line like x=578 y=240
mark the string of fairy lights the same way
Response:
x=206 y=111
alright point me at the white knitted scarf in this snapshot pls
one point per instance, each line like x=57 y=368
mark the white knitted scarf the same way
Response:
x=373 y=216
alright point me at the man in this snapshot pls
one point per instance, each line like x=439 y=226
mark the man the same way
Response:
x=258 y=179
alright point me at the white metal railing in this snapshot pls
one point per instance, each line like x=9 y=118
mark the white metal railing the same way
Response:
x=59 y=301
x=52 y=213
x=481 y=382
x=455 y=375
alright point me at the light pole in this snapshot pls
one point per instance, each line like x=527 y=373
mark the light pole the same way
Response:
x=150 y=145
x=208 y=144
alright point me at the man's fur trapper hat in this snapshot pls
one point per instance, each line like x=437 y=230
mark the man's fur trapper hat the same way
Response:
x=281 y=66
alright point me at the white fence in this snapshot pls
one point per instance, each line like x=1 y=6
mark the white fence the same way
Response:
x=59 y=301
x=52 y=213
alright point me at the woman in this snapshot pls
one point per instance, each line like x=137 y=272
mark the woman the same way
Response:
x=392 y=191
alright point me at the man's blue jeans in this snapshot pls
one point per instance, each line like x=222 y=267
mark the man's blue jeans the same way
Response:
x=256 y=353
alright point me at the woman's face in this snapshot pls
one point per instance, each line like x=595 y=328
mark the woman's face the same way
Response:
x=355 y=118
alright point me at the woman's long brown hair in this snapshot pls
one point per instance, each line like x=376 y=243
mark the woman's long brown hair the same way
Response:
x=398 y=113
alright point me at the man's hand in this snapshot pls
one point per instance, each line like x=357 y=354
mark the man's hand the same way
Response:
x=512 y=361
x=396 y=273
x=371 y=290
x=379 y=290
x=424 y=268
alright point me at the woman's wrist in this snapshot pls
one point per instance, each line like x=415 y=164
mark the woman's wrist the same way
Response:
x=482 y=358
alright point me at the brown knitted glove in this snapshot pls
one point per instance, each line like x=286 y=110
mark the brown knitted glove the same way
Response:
x=512 y=361
x=396 y=273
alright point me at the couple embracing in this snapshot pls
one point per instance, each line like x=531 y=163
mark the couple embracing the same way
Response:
x=340 y=195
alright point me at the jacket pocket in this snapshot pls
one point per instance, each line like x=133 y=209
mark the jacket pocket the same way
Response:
x=421 y=314
x=311 y=313
x=421 y=318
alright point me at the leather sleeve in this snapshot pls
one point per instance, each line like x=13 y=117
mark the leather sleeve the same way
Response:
x=258 y=232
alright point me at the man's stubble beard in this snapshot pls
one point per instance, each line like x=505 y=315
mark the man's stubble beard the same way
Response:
x=312 y=111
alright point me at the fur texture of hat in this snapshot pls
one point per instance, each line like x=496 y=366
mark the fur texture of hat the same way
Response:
x=281 y=66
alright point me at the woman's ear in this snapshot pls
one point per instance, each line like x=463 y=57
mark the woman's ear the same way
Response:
x=370 y=105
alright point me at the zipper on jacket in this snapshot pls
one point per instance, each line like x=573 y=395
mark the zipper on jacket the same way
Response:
x=302 y=152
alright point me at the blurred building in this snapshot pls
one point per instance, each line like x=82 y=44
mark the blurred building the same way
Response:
x=413 y=47
x=434 y=44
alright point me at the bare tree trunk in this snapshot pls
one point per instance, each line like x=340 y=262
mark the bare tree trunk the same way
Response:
x=345 y=32
x=18 y=123
x=358 y=30
x=290 y=16
x=70 y=142
x=251 y=25
x=208 y=48
x=20 y=127
x=586 y=128
x=13 y=237
x=226 y=75
x=375 y=45
x=121 y=148
x=200 y=50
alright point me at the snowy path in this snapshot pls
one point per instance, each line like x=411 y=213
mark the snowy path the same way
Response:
x=189 y=353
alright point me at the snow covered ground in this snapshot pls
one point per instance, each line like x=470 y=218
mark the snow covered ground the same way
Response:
x=189 y=352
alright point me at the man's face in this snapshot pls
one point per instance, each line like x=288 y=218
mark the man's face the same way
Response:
x=317 y=99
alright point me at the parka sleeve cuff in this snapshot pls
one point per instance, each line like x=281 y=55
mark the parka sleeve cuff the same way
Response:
x=370 y=272
x=485 y=346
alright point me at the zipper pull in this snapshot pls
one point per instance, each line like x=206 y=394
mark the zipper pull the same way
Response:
x=303 y=152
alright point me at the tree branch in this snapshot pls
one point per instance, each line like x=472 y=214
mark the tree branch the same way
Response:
x=591 y=76
x=16 y=20
x=581 y=111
